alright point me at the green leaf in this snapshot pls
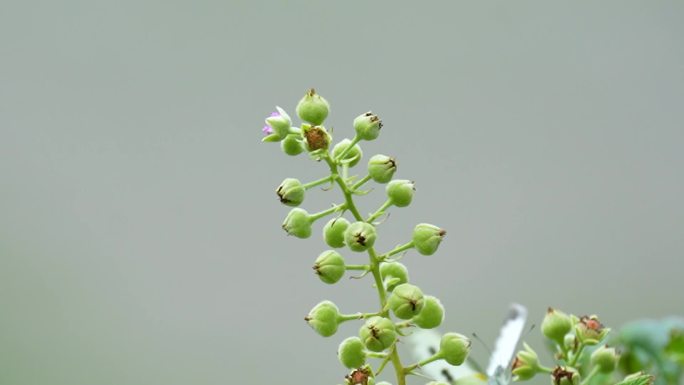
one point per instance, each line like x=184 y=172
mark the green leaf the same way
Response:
x=675 y=347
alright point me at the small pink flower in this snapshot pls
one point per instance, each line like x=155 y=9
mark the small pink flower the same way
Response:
x=267 y=130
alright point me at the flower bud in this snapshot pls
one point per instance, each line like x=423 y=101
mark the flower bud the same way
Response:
x=639 y=378
x=313 y=108
x=279 y=123
x=604 y=358
x=590 y=330
x=525 y=364
x=556 y=325
x=454 y=348
x=298 y=223
x=378 y=334
x=360 y=376
x=570 y=341
x=315 y=137
x=381 y=168
x=352 y=353
x=329 y=266
x=291 y=192
x=393 y=274
x=292 y=145
x=400 y=192
x=565 y=376
x=406 y=301
x=352 y=157
x=333 y=232
x=360 y=236
x=324 y=318
x=427 y=237
x=367 y=126
x=432 y=314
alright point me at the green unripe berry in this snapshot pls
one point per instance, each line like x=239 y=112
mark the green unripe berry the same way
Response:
x=292 y=145
x=454 y=348
x=313 y=108
x=565 y=376
x=400 y=192
x=329 y=266
x=406 y=301
x=324 y=318
x=378 y=334
x=352 y=353
x=298 y=223
x=605 y=359
x=526 y=364
x=393 y=274
x=291 y=192
x=333 y=232
x=432 y=314
x=381 y=168
x=352 y=157
x=367 y=126
x=556 y=325
x=427 y=237
x=360 y=236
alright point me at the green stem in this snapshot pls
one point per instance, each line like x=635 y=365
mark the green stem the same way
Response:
x=346 y=150
x=397 y=250
x=357 y=316
x=357 y=267
x=317 y=182
x=321 y=214
x=426 y=361
x=360 y=183
x=545 y=369
x=589 y=376
x=576 y=357
x=372 y=256
x=380 y=211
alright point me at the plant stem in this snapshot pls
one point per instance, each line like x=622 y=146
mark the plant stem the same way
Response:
x=317 y=182
x=357 y=267
x=373 y=257
x=590 y=375
x=380 y=211
x=349 y=148
x=397 y=250
x=321 y=214
x=360 y=183
x=576 y=357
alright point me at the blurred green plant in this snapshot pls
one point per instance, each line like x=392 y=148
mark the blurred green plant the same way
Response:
x=656 y=346
x=581 y=355
x=398 y=299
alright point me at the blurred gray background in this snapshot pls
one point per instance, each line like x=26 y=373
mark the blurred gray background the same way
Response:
x=140 y=238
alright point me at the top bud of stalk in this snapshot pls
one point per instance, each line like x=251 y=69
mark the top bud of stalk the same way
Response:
x=381 y=168
x=454 y=348
x=313 y=108
x=367 y=126
x=556 y=325
x=278 y=124
x=590 y=330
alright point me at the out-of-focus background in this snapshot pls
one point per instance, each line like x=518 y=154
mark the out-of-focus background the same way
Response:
x=140 y=238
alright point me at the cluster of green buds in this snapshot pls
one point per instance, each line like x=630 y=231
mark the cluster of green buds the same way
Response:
x=402 y=304
x=581 y=354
